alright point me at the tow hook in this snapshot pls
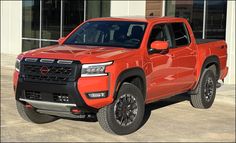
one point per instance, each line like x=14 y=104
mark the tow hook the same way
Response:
x=75 y=111
x=28 y=106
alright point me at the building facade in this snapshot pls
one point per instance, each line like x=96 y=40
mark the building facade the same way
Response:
x=34 y=24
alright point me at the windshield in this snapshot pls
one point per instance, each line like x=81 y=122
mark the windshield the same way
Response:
x=109 y=33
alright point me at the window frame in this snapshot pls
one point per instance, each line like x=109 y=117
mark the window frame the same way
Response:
x=168 y=30
x=145 y=24
x=173 y=35
x=39 y=8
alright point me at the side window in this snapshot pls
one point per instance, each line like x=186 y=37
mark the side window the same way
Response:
x=159 y=32
x=180 y=33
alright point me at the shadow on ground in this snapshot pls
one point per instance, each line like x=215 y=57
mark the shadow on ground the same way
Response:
x=163 y=103
x=148 y=108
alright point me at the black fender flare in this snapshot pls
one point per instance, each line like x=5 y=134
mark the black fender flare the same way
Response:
x=128 y=73
x=209 y=60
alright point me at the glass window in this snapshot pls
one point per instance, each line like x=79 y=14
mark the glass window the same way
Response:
x=216 y=19
x=106 y=8
x=30 y=18
x=181 y=36
x=192 y=10
x=51 y=11
x=29 y=45
x=54 y=14
x=73 y=15
x=48 y=43
x=159 y=32
x=97 y=8
x=109 y=33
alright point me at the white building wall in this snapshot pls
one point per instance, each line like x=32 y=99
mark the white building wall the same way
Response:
x=11 y=26
x=128 y=8
x=230 y=39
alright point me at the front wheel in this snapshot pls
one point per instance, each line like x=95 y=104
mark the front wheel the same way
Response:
x=206 y=91
x=125 y=114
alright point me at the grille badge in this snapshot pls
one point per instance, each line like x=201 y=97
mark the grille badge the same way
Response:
x=44 y=70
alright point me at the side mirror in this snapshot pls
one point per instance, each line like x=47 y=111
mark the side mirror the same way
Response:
x=61 y=40
x=160 y=45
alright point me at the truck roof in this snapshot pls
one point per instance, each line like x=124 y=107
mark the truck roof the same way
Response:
x=138 y=19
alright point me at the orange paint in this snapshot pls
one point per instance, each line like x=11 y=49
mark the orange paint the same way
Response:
x=174 y=72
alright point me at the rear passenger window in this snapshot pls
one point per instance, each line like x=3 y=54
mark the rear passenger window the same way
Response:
x=181 y=36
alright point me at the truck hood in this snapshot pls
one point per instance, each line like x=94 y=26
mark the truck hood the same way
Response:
x=85 y=54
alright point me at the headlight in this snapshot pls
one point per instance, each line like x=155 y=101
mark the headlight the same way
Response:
x=17 y=65
x=89 y=70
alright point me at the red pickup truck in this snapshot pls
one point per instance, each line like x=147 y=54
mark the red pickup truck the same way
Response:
x=113 y=67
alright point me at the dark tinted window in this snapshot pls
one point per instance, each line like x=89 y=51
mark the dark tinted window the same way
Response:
x=44 y=21
x=51 y=10
x=48 y=43
x=30 y=18
x=216 y=19
x=29 y=45
x=192 y=10
x=73 y=15
x=109 y=33
x=180 y=33
x=160 y=33
x=97 y=8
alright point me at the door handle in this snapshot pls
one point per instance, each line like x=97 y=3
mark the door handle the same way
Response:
x=193 y=53
x=173 y=56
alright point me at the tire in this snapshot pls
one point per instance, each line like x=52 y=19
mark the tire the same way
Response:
x=30 y=115
x=109 y=117
x=206 y=91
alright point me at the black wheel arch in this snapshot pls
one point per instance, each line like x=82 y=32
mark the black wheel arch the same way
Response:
x=135 y=76
x=209 y=61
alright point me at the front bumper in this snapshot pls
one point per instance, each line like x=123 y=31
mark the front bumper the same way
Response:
x=61 y=80
x=46 y=93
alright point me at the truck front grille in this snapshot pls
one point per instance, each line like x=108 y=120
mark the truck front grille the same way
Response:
x=48 y=70
x=61 y=97
x=46 y=96
x=34 y=95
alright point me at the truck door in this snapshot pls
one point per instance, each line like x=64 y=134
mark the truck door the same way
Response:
x=184 y=53
x=162 y=80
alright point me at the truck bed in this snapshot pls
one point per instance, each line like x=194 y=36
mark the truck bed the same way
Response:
x=203 y=41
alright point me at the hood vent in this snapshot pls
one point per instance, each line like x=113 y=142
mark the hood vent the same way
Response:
x=48 y=61
x=31 y=59
x=64 y=62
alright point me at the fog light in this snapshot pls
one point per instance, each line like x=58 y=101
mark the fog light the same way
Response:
x=75 y=111
x=59 y=97
x=63 y=98
x=97 y=95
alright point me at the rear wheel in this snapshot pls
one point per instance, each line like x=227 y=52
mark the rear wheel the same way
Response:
x=126 y=113
x=30 y=115
x=206 y=91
